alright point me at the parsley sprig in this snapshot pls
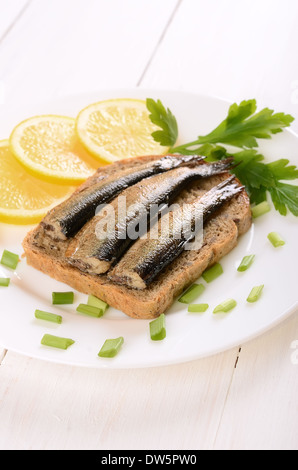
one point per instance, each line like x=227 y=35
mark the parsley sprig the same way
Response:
x=164 y=119
x=241 y=129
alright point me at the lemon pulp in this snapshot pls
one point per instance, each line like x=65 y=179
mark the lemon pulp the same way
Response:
x=117 y=129
x=24 y=198
x=49 y=148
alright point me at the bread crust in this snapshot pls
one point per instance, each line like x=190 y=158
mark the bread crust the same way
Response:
x=220 y=237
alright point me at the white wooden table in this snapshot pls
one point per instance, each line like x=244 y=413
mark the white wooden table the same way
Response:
x=245 y=398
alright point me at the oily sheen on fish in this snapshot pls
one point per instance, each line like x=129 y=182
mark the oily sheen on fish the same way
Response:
x=66 y=219
x=104 y=239
x=149 y=256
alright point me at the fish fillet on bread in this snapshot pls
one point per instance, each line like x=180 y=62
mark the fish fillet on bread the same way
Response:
x=220 y=236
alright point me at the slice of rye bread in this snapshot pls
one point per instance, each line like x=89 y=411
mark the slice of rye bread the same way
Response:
x=220 y=237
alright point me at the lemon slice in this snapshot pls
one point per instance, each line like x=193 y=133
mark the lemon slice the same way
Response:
x=25 y=199
x=49 y=148
x=116 y=129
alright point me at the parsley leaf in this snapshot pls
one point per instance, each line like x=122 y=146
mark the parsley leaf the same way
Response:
x=285 y=196
x=259 y=178
x=254 y=175
x=281 y=171
x=258 y=195
x=164 y=119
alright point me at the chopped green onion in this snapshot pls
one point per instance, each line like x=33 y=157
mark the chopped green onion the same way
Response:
x=111 y=347
x=158 y=328
x=255 y=294
x=212 y=273
x=56 y=341
x=275 y=239
x=60 y=298
x=260 y=209
x=48 y=316
x=198 y=308
x=246 y=263
x=4 y=281
x=9 y=259
x=191 y=293
x=90 y=310
x=95 y=302
x=225 y=306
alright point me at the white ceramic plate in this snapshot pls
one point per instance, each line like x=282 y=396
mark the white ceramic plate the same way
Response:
x=189 y=336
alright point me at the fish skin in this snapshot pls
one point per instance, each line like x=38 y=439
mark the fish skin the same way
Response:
x=94 y=254
x=66 y=219
x=147 y=258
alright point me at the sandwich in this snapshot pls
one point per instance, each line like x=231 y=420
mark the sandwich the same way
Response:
x=139 y=232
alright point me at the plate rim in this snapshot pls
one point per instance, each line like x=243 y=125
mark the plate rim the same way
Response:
x=186 y=359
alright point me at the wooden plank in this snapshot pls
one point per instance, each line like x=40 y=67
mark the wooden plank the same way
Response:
x=2 y=354
x=73 y=46
x=261 y=412
x=10 y=13
x=231 y=49
x=51 y=406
